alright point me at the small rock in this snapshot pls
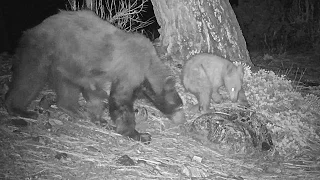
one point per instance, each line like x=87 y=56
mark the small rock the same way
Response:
x=197 y=158
x=125 y=160
x=60 y=156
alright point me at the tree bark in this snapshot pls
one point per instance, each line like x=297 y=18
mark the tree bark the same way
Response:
x=190 y=27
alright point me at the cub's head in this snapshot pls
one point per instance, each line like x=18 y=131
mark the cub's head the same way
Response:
x=168 y=101
x=233 y=81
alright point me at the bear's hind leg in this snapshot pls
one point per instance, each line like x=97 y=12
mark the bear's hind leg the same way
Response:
x=95 y=104
x=68 y=97
x=121 y=110
x=27 y=82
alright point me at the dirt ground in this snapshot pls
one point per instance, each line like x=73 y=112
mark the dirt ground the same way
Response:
x=56 y=146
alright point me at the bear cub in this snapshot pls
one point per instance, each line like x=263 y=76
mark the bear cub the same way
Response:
x=205 y=73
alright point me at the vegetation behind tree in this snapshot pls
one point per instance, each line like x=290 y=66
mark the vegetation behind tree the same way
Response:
x=280 y=25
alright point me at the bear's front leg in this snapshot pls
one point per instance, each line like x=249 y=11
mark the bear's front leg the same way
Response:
x=122 y=112
x=216 y=97
x=204 y=100
x=242 y=99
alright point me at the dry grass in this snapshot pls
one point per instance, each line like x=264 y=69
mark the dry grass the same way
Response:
x=81 y=150
x=125 y=15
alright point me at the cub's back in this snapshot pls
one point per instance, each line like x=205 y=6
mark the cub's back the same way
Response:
x=210 y=61
x=216 y=67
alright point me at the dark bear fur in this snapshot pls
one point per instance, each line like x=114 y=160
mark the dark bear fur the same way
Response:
x=77 y=52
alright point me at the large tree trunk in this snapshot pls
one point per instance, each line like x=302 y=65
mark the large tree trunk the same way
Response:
x=192 y=26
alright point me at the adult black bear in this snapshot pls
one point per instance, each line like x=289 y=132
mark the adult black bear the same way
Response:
x=77 y=52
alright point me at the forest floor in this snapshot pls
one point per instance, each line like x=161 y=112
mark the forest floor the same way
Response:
x=56 y=146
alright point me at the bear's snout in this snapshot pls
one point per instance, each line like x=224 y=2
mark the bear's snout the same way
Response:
x=178 y=117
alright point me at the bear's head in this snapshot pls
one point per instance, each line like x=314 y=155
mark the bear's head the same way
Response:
x=172 y=103
x=168 y=101
x=233 y=81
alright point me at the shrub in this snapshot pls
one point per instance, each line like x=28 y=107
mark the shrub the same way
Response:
x=291 y=117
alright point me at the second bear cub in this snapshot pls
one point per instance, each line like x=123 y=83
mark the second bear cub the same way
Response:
x=205 y=73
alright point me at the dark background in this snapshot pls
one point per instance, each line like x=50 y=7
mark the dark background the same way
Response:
x=18 y=15
x=275 y=26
